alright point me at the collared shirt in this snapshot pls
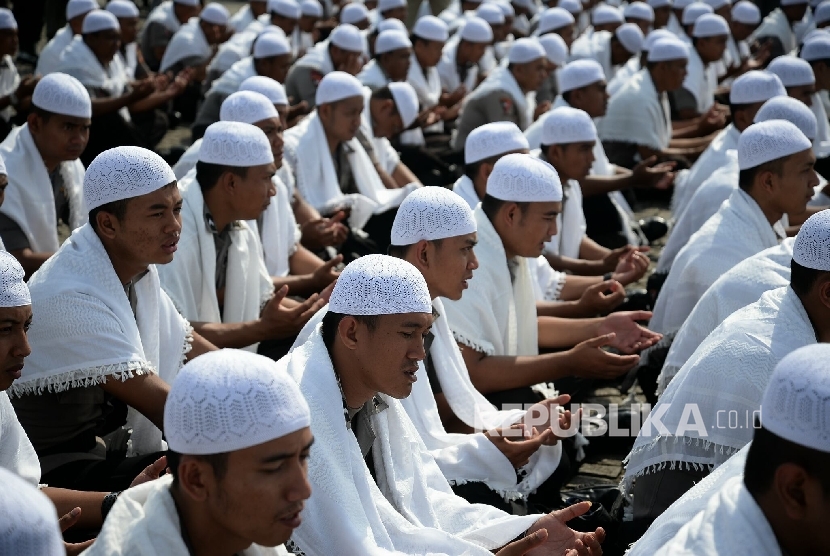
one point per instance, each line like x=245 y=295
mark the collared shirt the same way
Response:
x=222 y=240
x=360 y=422
x=343 y=167
x=129 y=289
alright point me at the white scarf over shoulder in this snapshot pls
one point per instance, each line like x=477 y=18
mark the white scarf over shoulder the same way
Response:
x=188 y=42
x=776 y=24
x=49 y=58
x=82 y=64
x=165 y=15
x=279 y=234
x=570 y=223
x=188 y=160
x=372 y=75
x=241 y=19
x=597 y=48
x=448 y=70
x=742 y=285
x=9 y=82
x=728 y=372
x=231 y=80
x=86 y=333
x=411 y=509
x=16 y=451
x=821 y=144
x=318 y=58
x=637 y=114
x=701 y=81
x=427 y=85
x=190 y=279
x=385 y=154
x=234 y=49
x=736 y=232
x=622 y=75
x=30 y=201
x=144 y=522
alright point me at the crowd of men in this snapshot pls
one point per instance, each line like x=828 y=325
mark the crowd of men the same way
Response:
x=358 y=310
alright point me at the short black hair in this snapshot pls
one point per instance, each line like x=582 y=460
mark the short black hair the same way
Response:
x=385 y=93
x=802 y=279
x=769 y=451
x=44 y=115
x=117 y=208
x=566 y=96
x=208 y=174
x=217 y=462
x=400 y=251
x=331 y=321
x=490 y=206
x=747 y=177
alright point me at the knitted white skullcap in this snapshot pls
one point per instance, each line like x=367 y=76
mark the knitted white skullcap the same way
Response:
x=384 y=5
x=391 y=24
x=523 y=178
x=7 y=20
x=62 y=94
x=718 y=4
x=406 y=100
x=681 y=4
x=431 y=28
x=336 y=86
x=658 y=3
x=353 y=13
x=578 y=74
x=746 y=12
x=122 y=8
x=573 y=6
x=812 y=244
x=235 y=144
x=431 y=213
x=311 y=8
x=124 y=173
x=821 y=13
x=630 y=36
x=663 y=50
x=28 y=523
x=795 y=402
x=793 y=72
x=99 y=20
x=553 y=19
x=388 y=41
x=476 y=30
x=380 y=285
x=555 y=48
x=639 y=10
x=270 y=44
x=656 y=35
x=710 y=25
x=229 y=400
x=248 y=107
x=273 y=90
x=506 y=8
x=193 y=3
x=523 y=51
x=694 y=11
x=215 y=13
x=286 y=8
x=490 y=13
x=791 y=110
x=74 y=8
x=493 y=139
x=792 y=2
x=605 y=14
x=756 y=86
x=770 y=140
x=565 y=125
x=348 y=37
x=817 y=48
x=13 y=290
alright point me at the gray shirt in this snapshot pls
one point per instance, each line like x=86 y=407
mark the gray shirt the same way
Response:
x=495 y=106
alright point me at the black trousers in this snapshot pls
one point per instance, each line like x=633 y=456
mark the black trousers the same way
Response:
x=112 y=474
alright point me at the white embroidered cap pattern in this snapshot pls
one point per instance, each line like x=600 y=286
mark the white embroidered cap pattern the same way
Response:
x=639 y=10
x=235 y=144
x=523 y=178
x=273 y=90
x=123 y=173
x=122 y=8
x=7 y=20
x=791 y=110
x=490 y=13
x=229 y=400
x=812 y=244
x=28 y=523
x=573 y=6
x=311 y=8
x=392 y=24
x=431 y=28
x=817 y=48
x=60 y=93
x=353 y=13
x=710 y=25
x=74 y=8
x=664 y=50
x=555 y=49
x=770 y=140
x=630 y=36
x=99 y=20
x=285 y=8
x=493 y=139
x=746 y=12
x=476 y=30
x=756 y=86
x=13 y=290
x=248 y=107
x=553 y=19
x=604 y=14
x=565 y=125
x=336 y=86
x=406 y=100
x=270 y=44
x=526 y=50
x=694 y=11
x=793 y=72
x=215 y=13
x=580 y=73
x=655 y=36
x=432 y=213
x=384 y=5
x=380 y=285
x=388 y=41
x=822 y=13
x=347 y=37
x=795 y=403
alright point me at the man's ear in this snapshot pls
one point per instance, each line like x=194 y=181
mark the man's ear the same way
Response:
x=423 y=254
x=34 y=121
x=195 y=478
x=108 y=225
x=347 y=332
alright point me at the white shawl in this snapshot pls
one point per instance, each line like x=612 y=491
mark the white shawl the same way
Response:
x=9 y=82
x=231 y=80
x=48 y=60
x=242 y=18
x=427 y=85
x=188 y=160
x=82 y=64
x=16 y=451
x=234 y=49
x=190 y=279
x=736 y=232
x=448 y=70
x=279 y=234
x=776 y=24
x=164 y=14
x=86 y=332
x=637 y=114
x=727 y=373
x=318 y=58
x=821 y=144
x=623 y=74
x=411 y=509
x=144 y=522
x=30 y=201
x=570 y=223
x=372 y=75
x=188 y=42
x=385 y=154
x=701 y=81
x=597 y=48
x=742 y=285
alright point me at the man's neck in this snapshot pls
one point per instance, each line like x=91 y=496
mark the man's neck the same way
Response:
x=510 y=253
x=817 y=313
x=347 y=369
x=772 y=214
x=517 y=83
x=219 y=209
x=657 y=85
x=50 y=163
x=480 y=187
x=332 y=142
x=204 y=535
x=125 y=268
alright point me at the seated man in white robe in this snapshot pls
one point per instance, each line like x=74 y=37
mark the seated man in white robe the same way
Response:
x=556 y=20
x=636 y=63
x=692 y=438
x=391 y=62
x=46 y=184
x=612 y=50
x=640 y=14
x=161 y=25
x=192 y=46
x=247 y=14
x=368 y=457
x=776 y=178
x=14 y=91
x=697 y=95
x=107 y=341
x=49 y=58
x=778 y=26
x=817 y=52
x=459 y=58
x=238 y=477
x=556 y=52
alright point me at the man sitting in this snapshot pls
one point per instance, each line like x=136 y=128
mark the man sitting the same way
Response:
x=48 y=60
x=161 y=25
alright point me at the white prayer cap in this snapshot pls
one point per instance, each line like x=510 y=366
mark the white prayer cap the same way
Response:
x=791 y=110
x=493 y=139
x=384 y=5
x=235 y=144
x=565 y=125
x=656 y=35
x=639 y=10
x=336 y=86
x=388 y=41
x=605 y=14
x=817 y=48
x=663 y=50
x=555 y=48
x=74 y=8
x=630 y=36
x=248 y=107
x=812 y=244
x=710 y=25
x=122 y=8
x=580 y=73
x=490 y=13
x=380 y=285
x=523 y=178
x=756 y=86
x=770 y=140
x=506 y=8
x=659 y=3
x=822 y=13
x=718 y=4
x=795 y=402
x=431 y=213
x=694 y=11
x=215 y=13
x=268 y=45
x=272 y=90
x=746 y=12
x=793 y=72
x=13 y=290
x=311 y=8
x=792 y=2
x=406 y=100
x=476 y=30
x=99 y=20
x=814 y=34
x=60 y=93
x=28 y=523
x=554 y=18
x=123 y=173
x=573 y=6
x=193 y=3
x=523 y=51
x=391 y=24
x=353 y=13
x=431 y=28
x=229 y=400
x=347 y=37
x=286 y=8
x=7 y=20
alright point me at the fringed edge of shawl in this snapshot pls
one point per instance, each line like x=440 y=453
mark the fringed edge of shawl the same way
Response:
x=555 y=289
x=188 y=343
x=666 y=376
x=462 y=339
x=507 y=495
x=82 y=378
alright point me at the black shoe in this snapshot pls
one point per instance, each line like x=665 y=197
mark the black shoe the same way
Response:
x=654 y=227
